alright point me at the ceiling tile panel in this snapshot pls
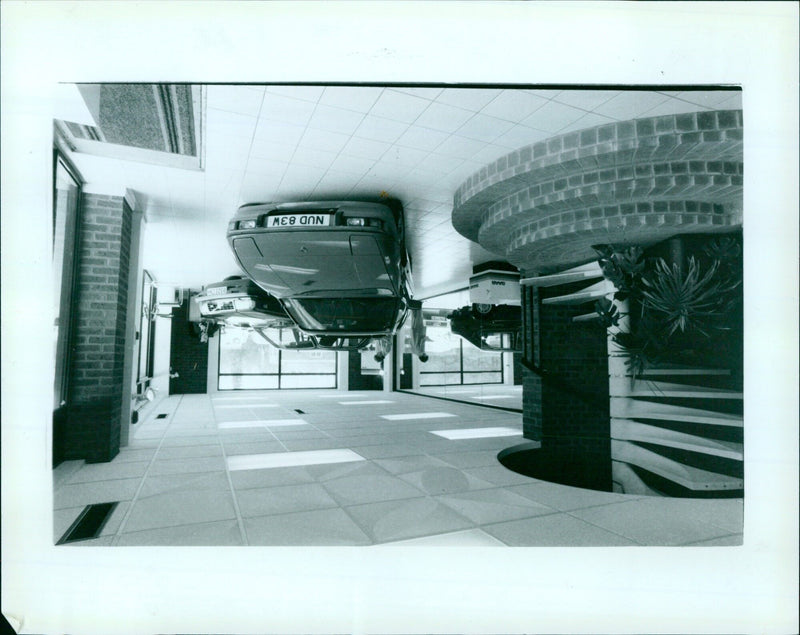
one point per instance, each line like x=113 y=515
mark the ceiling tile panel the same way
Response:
x=314 y=158
x=443 y=117
x=351 y=165
x=356 y=98
x=335 y=119
x=585 y=99
x=267 y=166
x=673 y=107
x=278 y=133
x=589 y=120
x=230 y=124
x=484 y=128
x=630 y=104
x=286 y=109
x=323 y=140
x=419 y=91
x=304 y=93
x=365 y=148
x=379 y=129
x=709 y=99
x=421 y=138
x=518 y=136
x=399 y=106
x=245 y=100
x=513 y=105
x=552 y=117
x=473 y=99
x=399 y=155
x=458 y=147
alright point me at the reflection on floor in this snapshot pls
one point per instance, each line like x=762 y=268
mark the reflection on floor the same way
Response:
x=489 y=394
x=246 y=469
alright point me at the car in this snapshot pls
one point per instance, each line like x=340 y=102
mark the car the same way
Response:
x=338 y=268
x=237 y=301
x=496 y=328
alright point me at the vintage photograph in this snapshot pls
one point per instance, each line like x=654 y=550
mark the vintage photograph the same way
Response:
x=399 y=317
x=329 y=314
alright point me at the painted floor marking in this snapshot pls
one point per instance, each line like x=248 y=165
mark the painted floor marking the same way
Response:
x=291 y=459
x=497 y=397
x=364 y=403
x=477 y=433
x=262 y=423
x=246 y=405
x=418 y=415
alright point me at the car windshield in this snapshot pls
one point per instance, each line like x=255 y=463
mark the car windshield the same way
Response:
x=357 y=315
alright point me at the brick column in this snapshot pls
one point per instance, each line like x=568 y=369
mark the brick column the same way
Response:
x=94 y=414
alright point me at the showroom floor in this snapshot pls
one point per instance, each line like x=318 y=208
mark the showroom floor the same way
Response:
x=334 y=468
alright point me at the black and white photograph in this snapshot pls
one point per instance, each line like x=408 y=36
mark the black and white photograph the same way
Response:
x=394 y=335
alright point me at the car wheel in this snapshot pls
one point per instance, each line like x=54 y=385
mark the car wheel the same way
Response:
x=482 y=309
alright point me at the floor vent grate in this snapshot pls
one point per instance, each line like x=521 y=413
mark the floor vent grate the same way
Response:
x=298 y=411
x=162 y=416
x=89 y=523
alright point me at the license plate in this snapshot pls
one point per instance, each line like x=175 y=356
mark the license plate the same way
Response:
x=217 y=291
x=216 y=307
x=298 y=220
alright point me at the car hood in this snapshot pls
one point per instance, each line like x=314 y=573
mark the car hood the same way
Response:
x=302 y=263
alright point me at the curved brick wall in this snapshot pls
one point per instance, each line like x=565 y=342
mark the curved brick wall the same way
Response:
x=544 y=205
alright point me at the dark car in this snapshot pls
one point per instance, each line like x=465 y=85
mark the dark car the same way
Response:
x=339 y=268
x=495 y=329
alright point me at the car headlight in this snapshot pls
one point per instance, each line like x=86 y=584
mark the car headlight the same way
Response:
x=247 y=224
x=364 y=222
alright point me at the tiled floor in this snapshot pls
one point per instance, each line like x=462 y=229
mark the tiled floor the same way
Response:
x=328 y=468
x=490 y=394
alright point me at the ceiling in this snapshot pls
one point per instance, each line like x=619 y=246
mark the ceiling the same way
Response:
x=262 y=143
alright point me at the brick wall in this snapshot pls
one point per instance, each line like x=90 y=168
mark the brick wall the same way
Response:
x=92 y=431
x=568 y=409
x=188 y=356
x=544 y=205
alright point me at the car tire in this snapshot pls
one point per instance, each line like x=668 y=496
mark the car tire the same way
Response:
x=481 y=309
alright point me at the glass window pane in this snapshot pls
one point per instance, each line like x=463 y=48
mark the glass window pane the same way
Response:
x=476 y=359
x=248 y=382
x=483 y=378
x=439 y=379
x=308 y=381
x=243 y=351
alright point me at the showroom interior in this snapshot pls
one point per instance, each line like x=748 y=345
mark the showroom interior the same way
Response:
x=546 y=229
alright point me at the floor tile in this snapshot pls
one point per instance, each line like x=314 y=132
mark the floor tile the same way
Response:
x=354 y=490
x=109 y=471
x=477 y=433
x=566 y=498
x=189 y=451
x=326 y=527
x=161 y=484
x=63 y=519
x=444 y=480
x=184 y=466
x=406 y=464
x=283 y=499
x=734 y=540
x=410 y=518
x=180 y=508
x=467 y=538
x=221 y=533
x=330 y=471
x=493 y=506
x=650 y=523
x=385 y=451
x=498 y=475
x=481 y=458
x=258 y=447
x=270 y=477
x=129 y=454
x=82 y=494
x=555 y=530
x=417 y=415
x=102 y=541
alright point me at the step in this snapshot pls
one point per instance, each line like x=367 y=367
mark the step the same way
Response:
x=686 y=476
x=588 y=271
x=632 y=409
x=666 y=369
x=627 y=430
x=625 y=387
x=589 y=294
